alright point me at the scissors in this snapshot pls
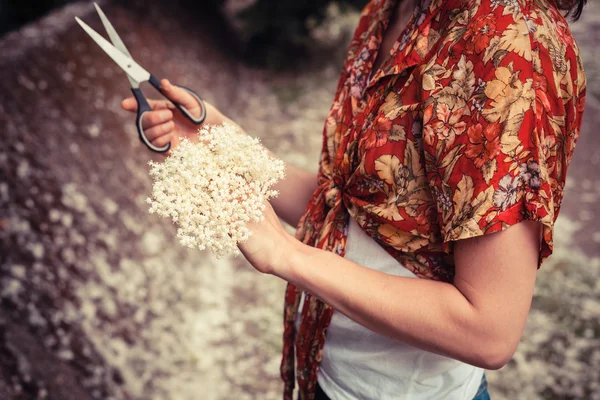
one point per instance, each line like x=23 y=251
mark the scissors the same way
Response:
x=136 y=75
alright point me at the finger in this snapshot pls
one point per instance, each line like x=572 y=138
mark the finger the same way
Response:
x=130 y=104
x=159 y=131
x=157 y=117
x=161 y=104
x=178 y=95
x=162 y=140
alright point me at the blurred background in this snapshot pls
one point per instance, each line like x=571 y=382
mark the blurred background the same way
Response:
x=97 y=298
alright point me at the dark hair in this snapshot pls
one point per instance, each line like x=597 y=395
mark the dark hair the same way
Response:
x=574 y=8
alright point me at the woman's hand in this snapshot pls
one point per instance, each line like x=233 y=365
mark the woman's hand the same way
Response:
x=269 y=247
x=166 y=124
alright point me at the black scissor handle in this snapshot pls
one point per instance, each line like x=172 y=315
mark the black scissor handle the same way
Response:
x=144 y=107
x=154 y=81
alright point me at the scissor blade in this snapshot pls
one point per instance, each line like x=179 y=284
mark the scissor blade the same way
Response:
x=114 y=38
x=112 y=33
x=131 y=68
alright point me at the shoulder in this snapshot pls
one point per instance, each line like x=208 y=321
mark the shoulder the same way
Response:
x=495 y=25
x=505 y=92
x=482 y=27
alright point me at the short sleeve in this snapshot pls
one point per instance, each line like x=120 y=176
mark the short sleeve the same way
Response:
x=492 y=126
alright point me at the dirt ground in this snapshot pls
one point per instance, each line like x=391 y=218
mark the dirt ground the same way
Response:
x=98 y=301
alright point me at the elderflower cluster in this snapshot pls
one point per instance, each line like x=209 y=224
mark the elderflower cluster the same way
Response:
x=213 y=188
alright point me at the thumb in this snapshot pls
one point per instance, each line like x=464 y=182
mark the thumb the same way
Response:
x=178 y=95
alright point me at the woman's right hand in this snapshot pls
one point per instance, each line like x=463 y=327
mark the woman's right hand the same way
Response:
x=166 y=124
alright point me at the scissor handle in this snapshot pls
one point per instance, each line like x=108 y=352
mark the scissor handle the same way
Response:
x=144 y=107
x=154 y=81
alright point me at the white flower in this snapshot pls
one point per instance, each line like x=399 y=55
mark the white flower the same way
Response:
x=213 y=188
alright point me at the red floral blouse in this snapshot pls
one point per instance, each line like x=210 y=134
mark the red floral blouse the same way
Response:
x=467 y=129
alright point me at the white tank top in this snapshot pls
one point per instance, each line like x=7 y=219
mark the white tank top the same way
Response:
x=359 y=364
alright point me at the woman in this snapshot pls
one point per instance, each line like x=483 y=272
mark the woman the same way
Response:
x=444 y=158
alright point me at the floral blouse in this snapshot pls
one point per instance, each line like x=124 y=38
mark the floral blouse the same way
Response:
x=467 y=129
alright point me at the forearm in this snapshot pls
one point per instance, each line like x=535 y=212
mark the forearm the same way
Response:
x=427 y=314
x=294 y=193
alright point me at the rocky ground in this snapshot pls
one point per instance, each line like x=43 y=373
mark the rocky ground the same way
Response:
x=98 y=301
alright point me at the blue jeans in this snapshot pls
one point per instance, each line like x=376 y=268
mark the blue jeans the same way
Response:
x=482 y=392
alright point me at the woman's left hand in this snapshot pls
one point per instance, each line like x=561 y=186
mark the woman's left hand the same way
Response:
x=269 y=247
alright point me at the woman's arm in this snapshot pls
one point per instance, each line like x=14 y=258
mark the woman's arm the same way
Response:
x=295 y=192
x=478 y=319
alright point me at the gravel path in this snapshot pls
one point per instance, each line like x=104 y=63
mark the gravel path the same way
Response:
x=98 y=301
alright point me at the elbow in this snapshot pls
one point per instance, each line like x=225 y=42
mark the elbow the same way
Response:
x=496 y=361
x=492 y=342
x=495 y=354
